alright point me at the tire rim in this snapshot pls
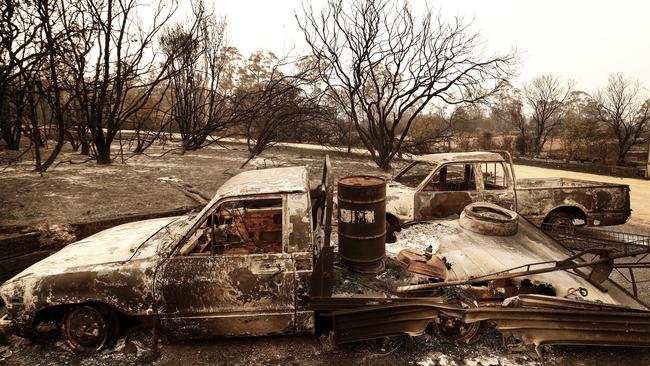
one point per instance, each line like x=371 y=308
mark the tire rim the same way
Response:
x=562 y=224
x=455 y=329
x=85 y=329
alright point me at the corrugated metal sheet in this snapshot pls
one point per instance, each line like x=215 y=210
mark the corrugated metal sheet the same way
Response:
x=473 y=255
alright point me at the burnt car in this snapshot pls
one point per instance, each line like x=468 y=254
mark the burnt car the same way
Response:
x=440 y=185
x=231 y=269
x=257 y=261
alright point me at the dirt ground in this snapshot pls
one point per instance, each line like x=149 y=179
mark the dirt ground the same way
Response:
x=73 y=193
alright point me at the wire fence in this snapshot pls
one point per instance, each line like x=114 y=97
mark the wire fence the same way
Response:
x=576 y=238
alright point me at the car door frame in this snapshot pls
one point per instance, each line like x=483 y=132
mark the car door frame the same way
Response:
x=505 y=198
x=423 y=206
x=239 y=297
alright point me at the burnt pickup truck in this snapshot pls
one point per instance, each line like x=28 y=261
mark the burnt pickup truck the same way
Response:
x=257 y=260
x=440 y=185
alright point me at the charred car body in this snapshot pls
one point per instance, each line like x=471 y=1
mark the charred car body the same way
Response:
x=257 y=261
x=440 y=185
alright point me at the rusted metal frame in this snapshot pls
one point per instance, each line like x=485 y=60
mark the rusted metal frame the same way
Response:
x=329 y=204
x=409 y=167
x=511 y=173
x=562 y=337
x=427 y=179
x=558 y=303
x=436 y=167
x=382 y=323
x=553 y=326
x=597 y=283
x=608 y=240
x=558 y=315
x=343 y=303
x=547 y=323
x=602 y=238
x=632 y=265
x=381 y=320
x=322 y=274
x=632 y=280
x=614 y=283
x=634 y=289
x=478 y=178
x=563 y=265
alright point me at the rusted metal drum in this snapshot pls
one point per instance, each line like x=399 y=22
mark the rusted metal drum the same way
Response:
x=362 y=223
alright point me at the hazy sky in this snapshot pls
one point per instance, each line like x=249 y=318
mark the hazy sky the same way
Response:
x=580 y=39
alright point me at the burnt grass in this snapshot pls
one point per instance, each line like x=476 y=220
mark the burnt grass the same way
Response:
x=72 y=193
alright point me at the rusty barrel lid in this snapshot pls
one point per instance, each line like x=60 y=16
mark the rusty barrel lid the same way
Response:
x=362 y=181
x=361 y=189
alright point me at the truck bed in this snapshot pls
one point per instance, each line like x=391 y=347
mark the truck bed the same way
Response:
x=592 y=203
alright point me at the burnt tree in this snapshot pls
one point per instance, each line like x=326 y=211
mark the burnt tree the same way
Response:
x=547 y=97
x=508 y=109
x=19 y=33
x=273 y=104
x=383 y=65
x=119 y=76
x=200 y=78
x=621 y=106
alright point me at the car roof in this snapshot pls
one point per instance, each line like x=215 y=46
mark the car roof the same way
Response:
x=480 y=156
x=264 y=181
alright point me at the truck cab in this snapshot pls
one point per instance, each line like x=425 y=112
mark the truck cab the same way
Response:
x=245 y=264
x=441 y=185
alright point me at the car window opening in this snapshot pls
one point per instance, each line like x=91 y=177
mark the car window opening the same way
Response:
x=239 y=227
x=453 y=177
x=494 y=177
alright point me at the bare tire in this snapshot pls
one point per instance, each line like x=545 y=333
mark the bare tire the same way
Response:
x=87 y=328
x=489 y=219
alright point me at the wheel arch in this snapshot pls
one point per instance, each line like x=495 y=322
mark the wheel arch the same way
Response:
x=574 y=210
x=55 y=312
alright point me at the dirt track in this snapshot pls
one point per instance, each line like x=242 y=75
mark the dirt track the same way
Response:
x=72 y=193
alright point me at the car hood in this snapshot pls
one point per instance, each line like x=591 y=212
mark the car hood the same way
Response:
x=117 y=244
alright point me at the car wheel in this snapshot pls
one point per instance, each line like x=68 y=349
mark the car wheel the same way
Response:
x=87 y=328
x=454 y=329
x=114 y=321
x=561 y=221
